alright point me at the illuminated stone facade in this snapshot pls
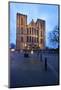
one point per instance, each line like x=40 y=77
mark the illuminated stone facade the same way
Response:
x=29 y=36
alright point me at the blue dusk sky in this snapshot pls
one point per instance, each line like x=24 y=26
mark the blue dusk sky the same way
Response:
x=49 y=13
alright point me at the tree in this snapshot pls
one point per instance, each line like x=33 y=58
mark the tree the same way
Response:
x=12 y=45
x=54 y=36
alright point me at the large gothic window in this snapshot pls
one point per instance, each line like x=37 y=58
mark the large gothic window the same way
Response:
x=21 y=21
x=21 y=39
x=21 y=30
x=41 y=41
x=41 y=33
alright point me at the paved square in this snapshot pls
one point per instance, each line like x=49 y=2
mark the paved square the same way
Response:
x=31 y=71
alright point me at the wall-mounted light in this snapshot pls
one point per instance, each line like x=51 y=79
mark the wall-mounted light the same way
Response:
x=25 y=45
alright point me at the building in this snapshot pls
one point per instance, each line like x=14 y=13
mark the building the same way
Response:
x=29 y=36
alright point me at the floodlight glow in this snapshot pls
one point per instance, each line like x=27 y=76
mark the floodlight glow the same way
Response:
x=25 y=45
x=12 y=50
x=32 y=52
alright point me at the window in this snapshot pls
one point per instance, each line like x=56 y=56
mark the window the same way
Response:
x=41 y=33
x=37 y=40
x=27 y=38
x=21 y=39
x=27 y=31
x=30 y=30
x=37 y=32
x=41 y=40
x=30 y=38
x=41 y=26
x=34 y=39
x=21 y=30
x=21 y=21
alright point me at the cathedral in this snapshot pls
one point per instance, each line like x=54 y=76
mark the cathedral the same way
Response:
x=29 y=36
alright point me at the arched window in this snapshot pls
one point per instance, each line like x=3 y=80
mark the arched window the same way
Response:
x=21 y=30
x=27 y=30
x=21 y=20
x=41 y=26
x=41 y=41
x=41 y=33
x=21 y=39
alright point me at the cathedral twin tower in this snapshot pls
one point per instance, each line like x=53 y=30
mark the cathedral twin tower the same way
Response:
x=29 y=36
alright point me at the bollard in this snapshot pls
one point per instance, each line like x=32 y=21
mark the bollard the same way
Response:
x=45 y=64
